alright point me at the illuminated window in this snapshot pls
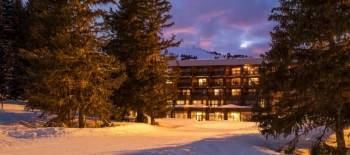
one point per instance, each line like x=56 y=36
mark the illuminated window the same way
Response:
x=182 y=115
x=262 y=103
x=197 y=102
x=234 y=116
x=202 y=82
x=252 y=70
x=218 y=92
x=180 y=102
x=219 y=116
x=236 y=81
x=197 y=115
x=169 y=82
x=253 y=81
x=214 y=103
x=236 y=92
x=219 y=82
x=236 y=71
x=186 y=92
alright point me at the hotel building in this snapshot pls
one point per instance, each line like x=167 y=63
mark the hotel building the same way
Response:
x=215 y=89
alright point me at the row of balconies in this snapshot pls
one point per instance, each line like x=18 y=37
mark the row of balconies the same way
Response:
x=215 y=84
x=216 y=96
x=218 y=73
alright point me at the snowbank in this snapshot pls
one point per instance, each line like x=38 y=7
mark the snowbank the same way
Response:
x=171 y=136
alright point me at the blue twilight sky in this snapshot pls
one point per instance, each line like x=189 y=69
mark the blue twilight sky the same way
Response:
x=237 y=26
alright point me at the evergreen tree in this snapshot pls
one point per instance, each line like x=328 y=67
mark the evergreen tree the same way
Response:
x=305 y=76
x=10 y=15
x=68 y=73
x=138 y=41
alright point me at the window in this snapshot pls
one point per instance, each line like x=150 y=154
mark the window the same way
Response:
x=262 y=103
x=214 y=103
x=197 y=102
x=253 y=81
x=186 y=92
x=186 y=71
x=251 y=70
x=200 y=92
x=219 y=116
x=234 y=116
x=203 y=70
x=202 y=82
x=236 y=71
x=251 y=91
x=197 y=115
x=169 y=82
x=236 y=92
x=236 y=81
x=218 y=92
x=185 y=82
x=180 y=102
x=169 y=102
x=219 y=82
x=219 y=71
x=182 y=115
x=169 y=70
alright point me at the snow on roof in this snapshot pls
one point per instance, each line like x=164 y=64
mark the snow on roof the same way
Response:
x=191 y=106
x=216 y=62
x=228 y=106
x=233 y=106
x=13 y=101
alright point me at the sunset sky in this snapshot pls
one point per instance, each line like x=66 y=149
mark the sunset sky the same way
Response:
x=238 y=26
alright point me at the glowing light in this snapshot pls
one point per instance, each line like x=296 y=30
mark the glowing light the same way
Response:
x=245 y=44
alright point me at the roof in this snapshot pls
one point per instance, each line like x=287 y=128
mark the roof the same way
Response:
x=228 y=106
x=233 y=106
x=216 y=62
x=191 y=106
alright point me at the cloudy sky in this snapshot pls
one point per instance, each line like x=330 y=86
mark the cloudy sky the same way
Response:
x=238 y=26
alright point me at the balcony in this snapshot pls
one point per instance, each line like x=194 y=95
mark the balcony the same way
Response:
x=216 y=84
x=185 y=73
x=201 y=73
x=182 y=96
x=216 y=95
x=233 y=98
x=250 y=70
x=204 y=84
x=199 y=95
x=218 y=73
x=184 y=84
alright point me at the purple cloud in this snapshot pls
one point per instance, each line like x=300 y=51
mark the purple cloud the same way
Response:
x=238 y=26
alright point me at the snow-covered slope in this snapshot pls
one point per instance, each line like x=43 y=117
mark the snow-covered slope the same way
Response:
x=171 y=137
x=195 y=51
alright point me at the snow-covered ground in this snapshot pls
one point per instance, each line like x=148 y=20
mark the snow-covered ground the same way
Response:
x=171 y=137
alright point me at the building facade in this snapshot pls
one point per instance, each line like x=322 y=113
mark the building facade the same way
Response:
x=215 y=89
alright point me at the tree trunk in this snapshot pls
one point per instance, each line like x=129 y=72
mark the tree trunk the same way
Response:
x=140 y=116
x=69 y=119
x=123 y=116
x=153 y=121
x=339 y=132
x=81 y=118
